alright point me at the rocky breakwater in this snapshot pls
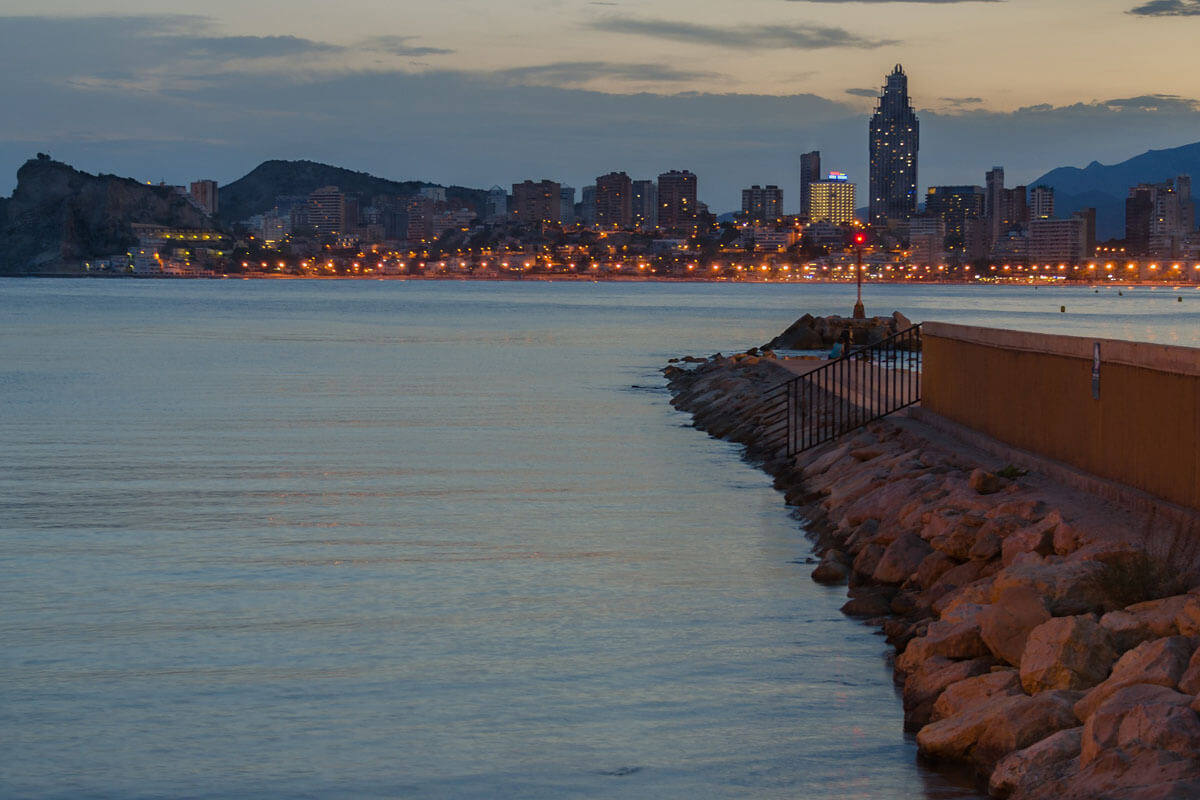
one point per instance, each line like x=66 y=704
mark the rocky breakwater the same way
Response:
x=1038 y=636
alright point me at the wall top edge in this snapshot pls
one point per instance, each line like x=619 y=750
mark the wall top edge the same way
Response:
x=1146 y=355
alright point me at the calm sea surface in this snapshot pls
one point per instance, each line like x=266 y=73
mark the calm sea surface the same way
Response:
x=399 y=539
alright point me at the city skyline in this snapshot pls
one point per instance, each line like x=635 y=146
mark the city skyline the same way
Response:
x=466 y=94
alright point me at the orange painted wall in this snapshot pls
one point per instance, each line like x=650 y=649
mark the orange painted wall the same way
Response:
x=1144 y=431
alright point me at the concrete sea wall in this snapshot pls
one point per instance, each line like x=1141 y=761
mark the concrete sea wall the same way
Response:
x=1042 y=635
x=1137 y=423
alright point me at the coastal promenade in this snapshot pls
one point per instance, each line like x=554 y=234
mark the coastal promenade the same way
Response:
x=1045 y=617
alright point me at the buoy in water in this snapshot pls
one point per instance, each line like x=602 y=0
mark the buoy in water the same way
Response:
x=1178 y=299
x=1062 y=309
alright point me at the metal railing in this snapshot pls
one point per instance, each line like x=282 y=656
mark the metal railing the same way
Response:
x=864 y=385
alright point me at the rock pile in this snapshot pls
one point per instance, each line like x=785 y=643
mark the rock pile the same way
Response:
x=1058 y=660
x=817 y=333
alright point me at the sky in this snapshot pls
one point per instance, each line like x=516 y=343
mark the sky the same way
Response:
x=479 y=93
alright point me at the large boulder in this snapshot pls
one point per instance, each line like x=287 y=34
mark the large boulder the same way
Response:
x=1189 y=681
x=1035 y=538
x=901 y=559
x=1161 y=662
x=1036 y=765
x=833 y=568
x=956 y=639
x=1117 y=774
x=1006 y=623
x=1069 y=588
x=987 y=733
x=972 y=692
x=1102 y=730
x=958 y=537
x=1066 y=653
x=926 y=682
x=1140 y=622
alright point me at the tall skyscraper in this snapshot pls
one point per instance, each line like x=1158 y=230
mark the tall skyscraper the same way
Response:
x=614 y=201
x=677 y=201
x=761 y=203
x=810 y=172
x=895 y=138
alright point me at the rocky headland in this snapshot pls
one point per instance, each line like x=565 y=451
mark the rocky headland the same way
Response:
x=1042 y=636
x=58 y=216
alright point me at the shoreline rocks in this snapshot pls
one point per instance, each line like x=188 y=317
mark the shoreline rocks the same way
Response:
x=1036 y=639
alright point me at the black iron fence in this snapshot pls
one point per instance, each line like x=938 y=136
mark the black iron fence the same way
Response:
x=845 y=394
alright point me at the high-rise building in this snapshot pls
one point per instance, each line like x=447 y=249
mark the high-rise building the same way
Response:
x=761 y=203
x=587 y=206
x=350 y=214
x=677 y=201
x=994 y=201
x=1041 y=202
x=204 y=193
x=645 y=204
x=420 y=218
x=1057 y=241
x=810 y=171
x=832 y=200
x=327 y=211
x=895 y=139
x=1159 y=216
x=954 y=205
x=535 y=203
x=497 y=204
x=1088 y=215
x=614 y=201
x=566 y=202
x=1005 y=209
x=926 y=239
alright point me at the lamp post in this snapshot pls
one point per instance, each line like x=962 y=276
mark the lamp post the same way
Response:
x=859 y=240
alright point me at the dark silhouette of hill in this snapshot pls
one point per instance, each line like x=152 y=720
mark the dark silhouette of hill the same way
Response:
x=255 y=192
x=1105 y=187
x=58 y=217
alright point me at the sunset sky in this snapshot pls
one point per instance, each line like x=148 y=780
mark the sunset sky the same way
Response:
x=475 y=93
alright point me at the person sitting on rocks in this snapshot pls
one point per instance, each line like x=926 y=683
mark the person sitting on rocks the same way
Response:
x=841 y=348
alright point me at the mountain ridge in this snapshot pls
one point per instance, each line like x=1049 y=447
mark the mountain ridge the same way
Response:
x=255 y=192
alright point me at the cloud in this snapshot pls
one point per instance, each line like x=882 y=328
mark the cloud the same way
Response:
x=1152 y=103
x=746 y=37
x=959 y=102
x=1168 y=8
x=575 y=73
x=863 y=92
x=897 y=1
x=243 y=46
x=399 y=46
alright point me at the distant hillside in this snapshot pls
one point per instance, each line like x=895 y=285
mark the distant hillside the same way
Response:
x=1105 y=187
x=256 y=192
x=59 y=216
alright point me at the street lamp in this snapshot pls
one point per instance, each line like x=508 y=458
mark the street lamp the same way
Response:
x=859 y=240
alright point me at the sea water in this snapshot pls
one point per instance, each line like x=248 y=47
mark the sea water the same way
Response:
x=268 y=539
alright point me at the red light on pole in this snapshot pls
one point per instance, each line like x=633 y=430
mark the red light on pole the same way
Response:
x=860 y=239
